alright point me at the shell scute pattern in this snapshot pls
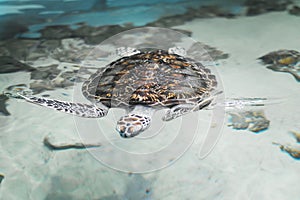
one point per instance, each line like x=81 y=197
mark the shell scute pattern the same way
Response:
x=152 y=78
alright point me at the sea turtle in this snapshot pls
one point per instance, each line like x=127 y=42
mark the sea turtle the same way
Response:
x=142 y=82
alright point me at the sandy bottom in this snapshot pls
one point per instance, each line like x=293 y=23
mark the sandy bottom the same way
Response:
x=243 y=165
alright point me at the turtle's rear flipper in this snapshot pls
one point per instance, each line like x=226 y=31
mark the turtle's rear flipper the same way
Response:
x=78 y=109
x=240 y=103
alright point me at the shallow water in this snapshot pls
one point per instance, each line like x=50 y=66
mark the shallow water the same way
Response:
x=165 y=161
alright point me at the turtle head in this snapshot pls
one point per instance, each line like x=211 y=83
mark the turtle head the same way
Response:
x=132 y=124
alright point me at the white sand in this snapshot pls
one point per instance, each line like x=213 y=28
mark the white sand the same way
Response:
x=245 y=165
x=242 y=166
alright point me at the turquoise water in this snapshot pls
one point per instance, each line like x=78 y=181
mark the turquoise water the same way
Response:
x=49 y=48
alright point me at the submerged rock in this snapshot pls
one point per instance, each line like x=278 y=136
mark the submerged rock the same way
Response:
x=72 y=50
x=95 y=35
x=256 y=7
x=190 y=14
x=28 y=49
x=296 y=135
x=295 y=10
x=3 y=100
x=9 y=64
x=40 y=86
x=1 y=178
x=208 y=54
x=19 y=49
x=50 y=78
x=56 y=32
x=90 y=34
x=210 y=11
x=292 y=150
x=283 y=61
x=281 y=57
x=15 y=90
x=254 y=121
x=45 y=73
x=64 y=146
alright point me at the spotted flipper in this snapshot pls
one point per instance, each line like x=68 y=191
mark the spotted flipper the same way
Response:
x=182 y=109
x=78 y=109
x=177 y=111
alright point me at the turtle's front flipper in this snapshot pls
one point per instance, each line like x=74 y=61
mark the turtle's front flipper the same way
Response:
x=182 y=109
x=78 y=109
x=177 y=111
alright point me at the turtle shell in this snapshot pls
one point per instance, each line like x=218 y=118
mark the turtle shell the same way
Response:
x=151 y=78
